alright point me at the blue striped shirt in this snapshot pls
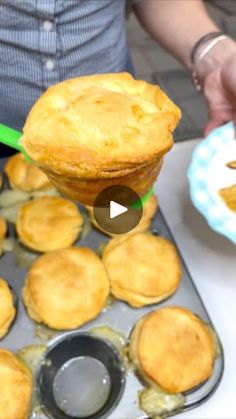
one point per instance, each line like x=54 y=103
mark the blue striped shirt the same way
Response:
x=45 y=41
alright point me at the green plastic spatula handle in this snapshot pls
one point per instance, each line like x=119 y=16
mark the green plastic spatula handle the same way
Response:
x=11 y=137
x=137 y=205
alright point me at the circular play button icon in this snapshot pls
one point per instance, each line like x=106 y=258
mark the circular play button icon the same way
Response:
x=117 y=209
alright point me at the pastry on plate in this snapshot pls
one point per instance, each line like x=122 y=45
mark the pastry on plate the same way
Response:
x=100 y=130
x=173 y=348
x=66 y=288
x=48 y=223
x=16 y=387
x=143 y=268
x=228 y=195
x=231 y=164
x=24 y=176
x=7 y=308
x=149 y=210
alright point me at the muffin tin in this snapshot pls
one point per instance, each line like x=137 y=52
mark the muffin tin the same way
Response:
x=79 y=354
x=122 y=401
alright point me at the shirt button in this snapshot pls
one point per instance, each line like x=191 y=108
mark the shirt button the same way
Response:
x=50 y=65
x=48 y=25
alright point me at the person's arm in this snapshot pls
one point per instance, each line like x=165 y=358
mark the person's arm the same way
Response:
x=177 y=25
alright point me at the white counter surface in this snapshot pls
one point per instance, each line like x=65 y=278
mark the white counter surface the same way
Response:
x=211 y=260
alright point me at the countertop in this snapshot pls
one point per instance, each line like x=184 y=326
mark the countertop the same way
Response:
x=211 y=261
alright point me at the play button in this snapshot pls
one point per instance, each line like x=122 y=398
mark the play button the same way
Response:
x=117 y=209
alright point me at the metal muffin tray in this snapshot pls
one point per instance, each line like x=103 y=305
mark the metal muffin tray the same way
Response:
x=119 y=316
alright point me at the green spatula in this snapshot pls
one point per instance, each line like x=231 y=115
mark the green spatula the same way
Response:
x=137 y=205
x=11 y=137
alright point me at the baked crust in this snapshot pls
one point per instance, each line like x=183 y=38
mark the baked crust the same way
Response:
x=80 y=288
x=98 y=124
x=25 y=176
x=173 y=348
x=16 y=387
x=7 y=309
x=228 y=195
x=3 y=232
x=85 y=190
x=95 y=131
x=48 y=223
x=3 y=228
x=143 y=268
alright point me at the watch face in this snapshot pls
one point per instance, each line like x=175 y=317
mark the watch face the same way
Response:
x=6 y=151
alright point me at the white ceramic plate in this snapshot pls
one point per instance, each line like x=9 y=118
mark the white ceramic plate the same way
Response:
x=208 y=173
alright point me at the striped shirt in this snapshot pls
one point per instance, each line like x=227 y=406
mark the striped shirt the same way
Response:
x=43 y=42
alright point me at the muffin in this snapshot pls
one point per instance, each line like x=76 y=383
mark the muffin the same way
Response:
x=48 y=223
x=149 y=210
x=96 y=131
x=142 y=268
x=7 y=309
x=3 y=228
x=16 y=387
x=25 y=176
x=66 y=288
x=1 y=181
x=173 y=348
x=3 y=232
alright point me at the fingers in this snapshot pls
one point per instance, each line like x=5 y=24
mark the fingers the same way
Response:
x=212 y=124
x=218 y=117
x=220 y=94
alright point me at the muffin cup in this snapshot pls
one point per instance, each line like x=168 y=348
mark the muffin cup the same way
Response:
x=74 y=346
x=85 y=190
x=15 y=304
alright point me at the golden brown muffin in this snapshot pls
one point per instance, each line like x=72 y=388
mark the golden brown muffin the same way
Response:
x=16 y=387
x=149 y=210
x=25 y=176
x=66 y=288
x=7 y=309
x=173 y=348
x=228 y=195
x=95 y=131
x=3 y=228
x=3 y=231
x=48 y=223
x=143 y=268
x=1 y=181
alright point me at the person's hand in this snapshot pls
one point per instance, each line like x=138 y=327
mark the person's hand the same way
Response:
x=220 y=93
x=218 y=78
